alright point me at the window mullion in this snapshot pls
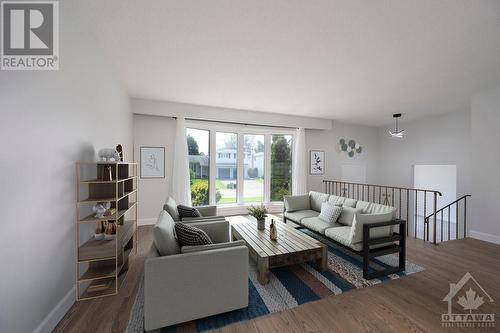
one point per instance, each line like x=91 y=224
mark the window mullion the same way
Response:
x=212 y=168
x=240 y=168
x=267 y=168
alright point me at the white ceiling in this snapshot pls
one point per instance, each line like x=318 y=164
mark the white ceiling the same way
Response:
x=355 y=61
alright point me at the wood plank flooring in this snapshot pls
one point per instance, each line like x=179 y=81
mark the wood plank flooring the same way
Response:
x=411 y=304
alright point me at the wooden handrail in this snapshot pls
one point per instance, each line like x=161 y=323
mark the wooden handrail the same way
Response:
x=448 y=205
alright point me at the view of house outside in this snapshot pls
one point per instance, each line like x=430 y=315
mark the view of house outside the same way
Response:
x=226 y=166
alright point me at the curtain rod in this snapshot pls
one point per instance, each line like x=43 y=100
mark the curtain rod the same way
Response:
x=237 y=123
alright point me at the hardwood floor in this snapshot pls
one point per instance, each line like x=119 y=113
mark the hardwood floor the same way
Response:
x=411 y=304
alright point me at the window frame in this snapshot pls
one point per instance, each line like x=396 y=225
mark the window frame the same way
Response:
x=240 y=130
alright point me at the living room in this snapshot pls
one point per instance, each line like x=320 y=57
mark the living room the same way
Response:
x=366 y=132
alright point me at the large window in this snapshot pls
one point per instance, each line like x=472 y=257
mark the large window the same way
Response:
x=226 y=164
x=199 y=165
x=281 y=166
x=249 y=164
x=253 y=186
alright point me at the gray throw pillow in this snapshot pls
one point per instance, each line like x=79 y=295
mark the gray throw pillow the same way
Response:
x=329 y=213
x=347 y=215
x=164 y=236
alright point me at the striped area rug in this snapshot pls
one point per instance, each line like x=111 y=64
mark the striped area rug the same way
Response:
x=288 y=287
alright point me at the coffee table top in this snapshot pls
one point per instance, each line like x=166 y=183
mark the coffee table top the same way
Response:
x=289 y=240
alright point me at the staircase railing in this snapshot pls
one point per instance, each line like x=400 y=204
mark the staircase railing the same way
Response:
x=410 y=203
x=446 y=215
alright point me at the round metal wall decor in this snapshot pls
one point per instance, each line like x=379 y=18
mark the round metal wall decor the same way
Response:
x=349 y=147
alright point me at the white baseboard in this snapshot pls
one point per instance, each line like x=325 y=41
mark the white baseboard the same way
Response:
x=484 y=236
x=50 y=322
x=147 y=221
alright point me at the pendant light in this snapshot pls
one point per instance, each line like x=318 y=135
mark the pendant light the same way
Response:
x=397 y=133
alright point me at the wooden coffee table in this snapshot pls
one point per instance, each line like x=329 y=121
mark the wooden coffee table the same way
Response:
x=292 y=247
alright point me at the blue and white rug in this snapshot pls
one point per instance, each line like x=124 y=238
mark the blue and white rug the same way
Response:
x=288 y=287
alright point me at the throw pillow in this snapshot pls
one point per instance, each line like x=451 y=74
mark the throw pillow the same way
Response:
x=189 y=235
x=347 y=215
x=329 y=213
x=186 y=211
x=164 y=237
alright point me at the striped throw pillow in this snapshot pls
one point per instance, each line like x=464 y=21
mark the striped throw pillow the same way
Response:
x=186 y=211
x=329 y=213
x=189 y=235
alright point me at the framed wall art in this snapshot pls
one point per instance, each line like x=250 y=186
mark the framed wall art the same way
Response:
x=317 y=162
x=152 y=162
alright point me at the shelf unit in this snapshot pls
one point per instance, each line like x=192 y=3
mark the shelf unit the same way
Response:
x=102 y=265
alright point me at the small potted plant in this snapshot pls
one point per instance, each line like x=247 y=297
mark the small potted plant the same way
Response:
x=260 y=214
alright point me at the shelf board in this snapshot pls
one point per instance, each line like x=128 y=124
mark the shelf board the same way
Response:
x=96 y=181
x=91 y=218
x=96 y=250
x=95 y=200
x=98 y=273
x=110 y=291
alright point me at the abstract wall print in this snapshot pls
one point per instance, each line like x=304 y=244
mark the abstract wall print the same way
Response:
x=349 y=147
x=152 y=162
x=317 y=162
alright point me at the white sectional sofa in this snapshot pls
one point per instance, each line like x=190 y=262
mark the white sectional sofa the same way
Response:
x=368 y=228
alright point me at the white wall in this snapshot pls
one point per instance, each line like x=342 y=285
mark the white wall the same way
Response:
x=49 y=120
x=442 y=139
x=154 y=131
x=327 y=140
x=485 y=222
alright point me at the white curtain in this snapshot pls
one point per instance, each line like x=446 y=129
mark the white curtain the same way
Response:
x=299 y=171
x=181 y=189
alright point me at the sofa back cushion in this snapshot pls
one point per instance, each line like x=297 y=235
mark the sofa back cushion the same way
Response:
x=362 y=219
x=375 y=208
x=347 y=215
x=348 y=202
x=316 y=199
x=164 y=235
x=171 y=208
x=336 y=200
x=329 y=213
x=297 y=202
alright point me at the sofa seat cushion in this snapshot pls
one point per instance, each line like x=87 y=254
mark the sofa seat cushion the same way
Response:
x=340 y=234
x=347 y=215
x=298 y=216
x=317 y=224
x=294 y=203
x=362 y=219
x=316 y=198
x=164 y=235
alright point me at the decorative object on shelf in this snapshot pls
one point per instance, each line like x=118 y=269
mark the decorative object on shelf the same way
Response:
x=397 y=133
x=260 y=214
x=350 y=147
x=100 y=209
x=99 y=230
x=109 y=154
x=152 y=162
x=119 y=149
x=110 y=232
x=317 y=162
x=107 y=175
x=273 y=231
